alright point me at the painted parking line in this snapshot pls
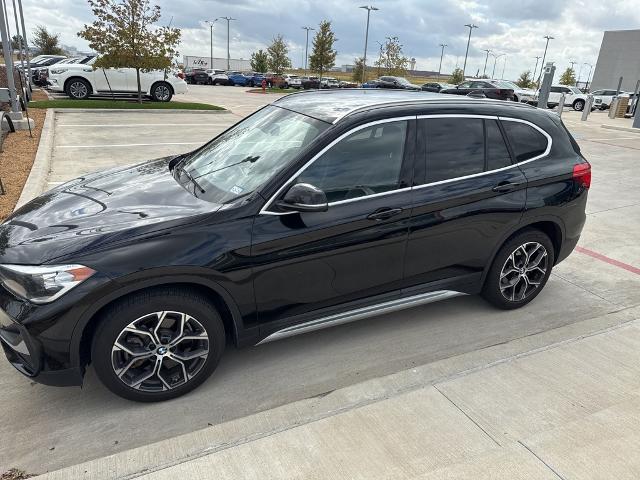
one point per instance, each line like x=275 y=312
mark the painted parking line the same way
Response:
x=130 y=144
x=611 y=138
x=129 y=125
x=610 y=261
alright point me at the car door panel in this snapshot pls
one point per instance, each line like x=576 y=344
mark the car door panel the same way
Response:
x=112 y=79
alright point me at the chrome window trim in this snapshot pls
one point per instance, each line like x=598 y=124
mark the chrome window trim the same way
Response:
x=264 y=211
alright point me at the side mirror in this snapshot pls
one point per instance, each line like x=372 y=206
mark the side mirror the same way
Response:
x=303 y=197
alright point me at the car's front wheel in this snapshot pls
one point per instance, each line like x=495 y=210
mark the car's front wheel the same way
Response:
x=578 y=105
x=520 y=270
x=158 y=344
x=78 y=89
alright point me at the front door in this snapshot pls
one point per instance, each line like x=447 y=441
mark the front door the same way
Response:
x=469 y=195
x=306 y=263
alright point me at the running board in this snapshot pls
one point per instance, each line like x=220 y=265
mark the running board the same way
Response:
x=359 y=313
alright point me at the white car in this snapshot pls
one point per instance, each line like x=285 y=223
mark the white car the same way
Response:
x=602 y=98
x=573 y=97
x=217 y=77
x=79 y=81
x=519 y=94
x=293 y=81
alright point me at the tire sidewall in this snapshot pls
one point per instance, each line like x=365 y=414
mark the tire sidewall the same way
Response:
x=155 y=87
x=578 y=103
x=118 y=317
x=86 y=84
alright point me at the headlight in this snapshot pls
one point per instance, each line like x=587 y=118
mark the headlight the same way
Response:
x=58 y=71
x=43 y=284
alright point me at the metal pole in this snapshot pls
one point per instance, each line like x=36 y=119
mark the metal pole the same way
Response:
x=619 y=87
x=366 y=40
x=544 y=57
x=464 y=66
x=484 y=72
x=579 y=74
x=228 y=19
x=441 y=55
x=306 y=49
x=586 y=87
x=495 y=62
x=26 y=44
x=211 y=46
x=535 y=69
x=504 y=66
x=8 y=61
x=15 y=14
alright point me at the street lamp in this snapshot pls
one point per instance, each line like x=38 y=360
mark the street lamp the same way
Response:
x=495 y=62
x=535 y=69
x=471 y=27
x=504 y=66
x=443 y=45
x=484 y=72
x=579 y=74
x=306 y=49
x=366 y=39
x=228 y=19
x=210 y=23
x=586 y=87
x=544 y=56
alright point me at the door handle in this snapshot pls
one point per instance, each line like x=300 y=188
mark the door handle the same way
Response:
x=384 y=213
x=505 y=187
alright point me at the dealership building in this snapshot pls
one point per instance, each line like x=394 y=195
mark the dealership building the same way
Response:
x=619 y=57
x=216 y=63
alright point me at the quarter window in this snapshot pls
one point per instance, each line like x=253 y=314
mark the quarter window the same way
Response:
x=497 y=152
x=366 y=162
x=526 y=141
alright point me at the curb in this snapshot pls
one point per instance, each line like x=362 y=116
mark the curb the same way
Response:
x=622 y=129
x=150 y=110
x=37 y=179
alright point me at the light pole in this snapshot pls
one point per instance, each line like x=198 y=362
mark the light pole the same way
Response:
x=210 y=23
x=228 y=19
x=579 y=74
x=306 y=49
x=471 y=27
x=535 y=69
x=495 y=62
x=366 y=39
x=544 y=56
x=586 y=87
x=484 y=72
x=443 y=45
x=504 y=66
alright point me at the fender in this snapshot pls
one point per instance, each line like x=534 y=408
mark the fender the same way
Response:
x=153 y=278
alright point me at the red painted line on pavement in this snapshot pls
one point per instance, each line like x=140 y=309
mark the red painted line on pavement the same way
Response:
x=610 y=261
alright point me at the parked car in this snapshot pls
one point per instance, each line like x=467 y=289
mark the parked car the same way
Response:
x=237 y=78
x=573 y=97
x=196 y=76
x=330 y=82
x=485 y=88
x=293 y=81
x=397 y=83
x=255 y=79
x=520 y=94
x=311 y=82
x=371 y=84
x=436 y=86
x=348 y=84
x=248 y=239
x=274 y=80
x=602 y=98
x=38 y=66
x=79 y=81
x=43 y=72
x=217 y=77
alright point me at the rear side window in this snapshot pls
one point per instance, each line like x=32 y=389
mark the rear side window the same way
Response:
x=497 y=151
x=526 y=141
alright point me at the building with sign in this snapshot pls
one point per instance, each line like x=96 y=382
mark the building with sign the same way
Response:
x=216 y=63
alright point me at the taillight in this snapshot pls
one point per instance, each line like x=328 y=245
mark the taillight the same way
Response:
x=582 y=174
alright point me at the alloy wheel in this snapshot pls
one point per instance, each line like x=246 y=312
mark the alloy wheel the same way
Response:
x=163 y=93
x=524 y=271
x=78 y=90
x=160 y=351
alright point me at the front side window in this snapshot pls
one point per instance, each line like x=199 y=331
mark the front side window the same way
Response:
x=526 y=141
x=366 y=162
x=242 y=159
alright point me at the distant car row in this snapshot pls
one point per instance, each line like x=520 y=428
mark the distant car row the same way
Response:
x=196 y=76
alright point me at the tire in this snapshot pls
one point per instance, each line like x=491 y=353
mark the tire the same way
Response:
x=516 y=99
x=162 y=309
x=78 y=89
x=522 y=282
x=161 y=92
x=578 y=105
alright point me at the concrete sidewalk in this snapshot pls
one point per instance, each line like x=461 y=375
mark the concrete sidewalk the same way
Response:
x=567 y=410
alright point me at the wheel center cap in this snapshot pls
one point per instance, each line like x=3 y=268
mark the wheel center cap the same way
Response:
x=522 y=270
x=162 y=350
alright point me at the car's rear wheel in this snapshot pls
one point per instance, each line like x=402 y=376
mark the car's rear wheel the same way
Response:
x=158 y=344
x=520 y=270
x=78 y=89
x=578 y=105
x=161 y=92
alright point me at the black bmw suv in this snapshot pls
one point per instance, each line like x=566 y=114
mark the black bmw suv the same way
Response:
x=319 y=209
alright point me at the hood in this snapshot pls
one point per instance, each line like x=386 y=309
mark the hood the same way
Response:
x=95 y=210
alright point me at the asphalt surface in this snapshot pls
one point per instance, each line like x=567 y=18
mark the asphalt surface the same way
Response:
x=45 y=428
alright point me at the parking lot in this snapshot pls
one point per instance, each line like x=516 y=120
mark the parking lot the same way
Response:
x=49 y=428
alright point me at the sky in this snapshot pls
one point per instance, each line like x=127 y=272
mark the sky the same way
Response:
x=512 y=27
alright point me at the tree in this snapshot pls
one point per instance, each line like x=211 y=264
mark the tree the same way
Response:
x=46 y=43
x=525 y=80
x=124 y=36
x=568 y=77
x=456 y=76
x=323 y=56
x=391 y=58
x=16 y=41
x=260 y=61
x=358 y=65
x=278 y=55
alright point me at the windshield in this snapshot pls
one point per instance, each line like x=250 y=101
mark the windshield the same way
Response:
x=506 y=84
x=242 y=159
x=403 y=81
x=575 y=90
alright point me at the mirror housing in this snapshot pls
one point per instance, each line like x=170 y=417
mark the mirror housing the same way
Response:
x=303 y=197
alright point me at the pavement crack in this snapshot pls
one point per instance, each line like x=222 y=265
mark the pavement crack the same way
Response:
x=468 y=416
x=555 y=472
x=587 y=290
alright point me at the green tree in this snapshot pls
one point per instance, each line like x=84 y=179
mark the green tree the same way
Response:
x=568 y=77
x=456 y=76
x=46 y=43
x=260 y=61
x=525 y=80
x=124 y=36
x=358 y=65
x=323 y=56
x=278 y=55
x=391 y=59
x=16 y=41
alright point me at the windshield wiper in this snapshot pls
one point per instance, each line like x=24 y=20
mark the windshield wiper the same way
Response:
x=180 y=168
x=250 y=159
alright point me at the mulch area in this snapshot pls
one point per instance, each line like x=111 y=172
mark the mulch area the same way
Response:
x=19 y=151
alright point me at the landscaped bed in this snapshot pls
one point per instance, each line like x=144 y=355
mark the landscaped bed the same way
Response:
x=16 y=159
x=121 y=104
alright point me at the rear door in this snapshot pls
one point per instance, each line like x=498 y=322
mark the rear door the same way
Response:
x=468 y=195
